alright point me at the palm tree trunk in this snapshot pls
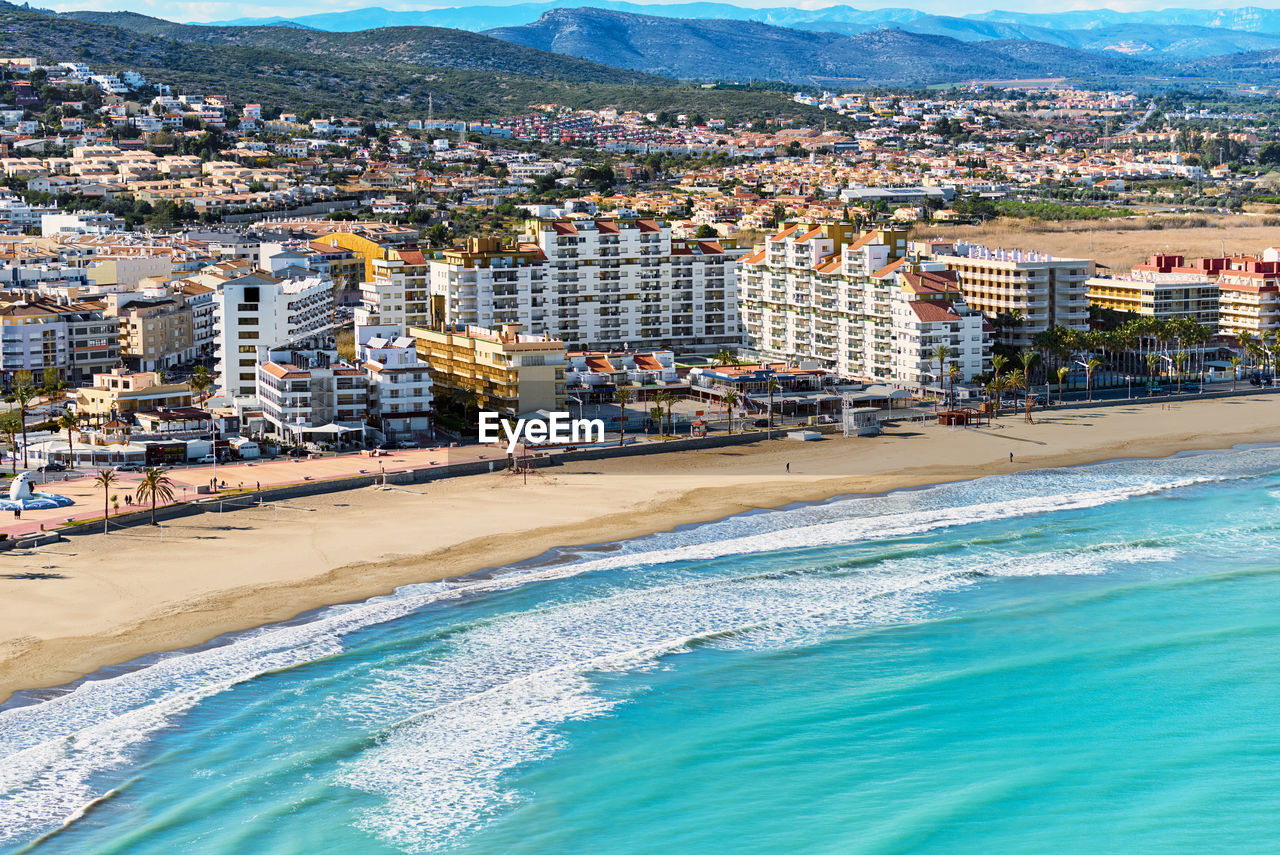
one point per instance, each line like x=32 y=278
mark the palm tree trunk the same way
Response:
x=106 y=509
x=22 y=412
x=153 y=508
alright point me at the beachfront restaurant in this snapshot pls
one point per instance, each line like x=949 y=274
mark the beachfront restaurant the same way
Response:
x=85 y=455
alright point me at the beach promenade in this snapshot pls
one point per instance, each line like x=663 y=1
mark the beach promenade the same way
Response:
x=237 y=478
x=97 y=600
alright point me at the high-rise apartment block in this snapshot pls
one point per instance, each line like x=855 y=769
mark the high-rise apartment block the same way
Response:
x=597 y=284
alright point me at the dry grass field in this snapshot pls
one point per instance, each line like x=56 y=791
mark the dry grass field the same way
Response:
x=1120 y=244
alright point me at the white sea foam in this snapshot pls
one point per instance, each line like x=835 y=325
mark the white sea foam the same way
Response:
x=494 y=700
x=53 y=754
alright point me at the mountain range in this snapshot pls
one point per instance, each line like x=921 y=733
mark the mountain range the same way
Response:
x=600 y=57
x=741 y=50
x=384 y=74
x=1167 y=34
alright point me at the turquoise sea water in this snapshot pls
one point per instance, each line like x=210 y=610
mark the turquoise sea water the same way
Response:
x=1081 y=660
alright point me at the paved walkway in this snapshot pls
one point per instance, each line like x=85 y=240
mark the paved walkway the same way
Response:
x=248 y=475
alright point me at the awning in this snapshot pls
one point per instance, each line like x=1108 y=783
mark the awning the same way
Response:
x=328 y=430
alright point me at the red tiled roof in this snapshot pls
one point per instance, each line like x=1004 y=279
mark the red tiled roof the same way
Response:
x=888 y=268
x=931 y=311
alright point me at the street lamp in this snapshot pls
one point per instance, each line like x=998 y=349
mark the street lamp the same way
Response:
x=1129 y=379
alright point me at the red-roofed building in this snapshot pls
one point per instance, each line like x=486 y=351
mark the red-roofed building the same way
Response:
x=821 y=293
x=597 y=284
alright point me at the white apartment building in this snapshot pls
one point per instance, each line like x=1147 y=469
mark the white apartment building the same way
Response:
x=1041 y=290
x=822 y=293
x=257 y=310
x=39 y=333
x=17 y=216
x=597 y=285
x=1249 y=297
x=399 y=386
x=301 y=391
x=400 y=293
x=928 y=312
x=80 y=223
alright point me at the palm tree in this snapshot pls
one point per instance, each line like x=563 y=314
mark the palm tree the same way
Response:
x=997 y=364
x=466 y=398
x=104 y=479
x=772 y=386
x=655 y=413
x=200 y=380
x=725 y=356
x=1235 y=371
x=730 y=400
x=1063 y=372
x=667 y=400
x=22 y=395
x=11 y=424
x=1179 y=359
x=1016 y=379
x=623 y=396
x=1089 y=367
x=1153 y=365
x=941 y=353
x=156 y=486
x=68 y=422
x=953 y=374
x=997 y=387
x=1028 y=358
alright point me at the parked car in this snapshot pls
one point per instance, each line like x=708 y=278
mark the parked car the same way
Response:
x=764 y=423
x=208 y=458
x=128 y=467
x=53 y=467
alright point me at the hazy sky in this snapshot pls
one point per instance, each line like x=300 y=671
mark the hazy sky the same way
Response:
x=214 y=10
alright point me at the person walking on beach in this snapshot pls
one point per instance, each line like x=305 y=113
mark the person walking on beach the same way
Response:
x=788 y=467
x=1010 y=456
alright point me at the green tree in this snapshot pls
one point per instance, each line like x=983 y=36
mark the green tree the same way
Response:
x=104 y=479
x=22 y=395
x=68 y=422
x=622 y=395
x=156 y=487
x=11 y=425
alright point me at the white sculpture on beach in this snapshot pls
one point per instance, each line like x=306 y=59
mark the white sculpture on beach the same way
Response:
x=23 y=498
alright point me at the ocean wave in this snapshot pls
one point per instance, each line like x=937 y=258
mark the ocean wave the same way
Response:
x=53 y=754
x=496 y=698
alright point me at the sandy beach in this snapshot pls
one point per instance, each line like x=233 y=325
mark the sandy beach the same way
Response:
x=95 y=600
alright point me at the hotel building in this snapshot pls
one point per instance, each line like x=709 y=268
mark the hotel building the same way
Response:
x=1044 y=291
x=857 y=304
x=1163 y=288
x=596 y=284
x=1248 y=295
x=509 y=372
x=256 y=311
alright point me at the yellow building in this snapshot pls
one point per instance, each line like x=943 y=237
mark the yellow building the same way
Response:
x=1164 y=288
x=366 y=250
x=509 y=372
x=119 y=391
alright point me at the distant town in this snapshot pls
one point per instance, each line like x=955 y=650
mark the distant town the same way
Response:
x=195 y=277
